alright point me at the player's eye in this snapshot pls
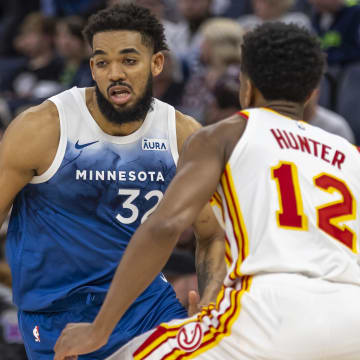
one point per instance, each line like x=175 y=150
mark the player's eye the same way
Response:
x=129 y=61
x=100 y=63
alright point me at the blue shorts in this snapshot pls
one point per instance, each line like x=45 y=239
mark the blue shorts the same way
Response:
x=40 y=330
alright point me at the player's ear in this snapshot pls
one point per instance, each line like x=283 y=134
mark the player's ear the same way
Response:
x=157 y=63
x=249 y=93
x=92 y=65
x=313 y=96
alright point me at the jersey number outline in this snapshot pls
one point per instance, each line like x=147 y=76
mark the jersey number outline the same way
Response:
x=128 y=204
x=329 y=215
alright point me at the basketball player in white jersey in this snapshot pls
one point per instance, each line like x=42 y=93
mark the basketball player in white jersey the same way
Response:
x=288 y=195
x=82 y=171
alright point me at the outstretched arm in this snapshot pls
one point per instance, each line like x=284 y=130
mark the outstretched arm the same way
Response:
x=200 y=166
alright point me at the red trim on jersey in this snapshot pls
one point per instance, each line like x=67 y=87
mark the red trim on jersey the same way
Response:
x=156 y=334
x=358 y=148
x=242 y=237
x=224 y=320
x=243 y=115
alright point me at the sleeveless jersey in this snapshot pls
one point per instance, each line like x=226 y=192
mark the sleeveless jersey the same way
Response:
x=289 y=201
x=70 y=226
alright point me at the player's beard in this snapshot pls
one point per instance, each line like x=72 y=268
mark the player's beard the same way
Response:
x=136 y=112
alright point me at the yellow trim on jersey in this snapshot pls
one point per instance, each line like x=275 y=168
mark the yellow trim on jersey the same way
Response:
x=276 y=112
x=215 y=201
x=212 y=335
x=298 y=197
x=237 y=220
x=245 y=112
x=226 y=320
x=172 y=330
x=228 y=255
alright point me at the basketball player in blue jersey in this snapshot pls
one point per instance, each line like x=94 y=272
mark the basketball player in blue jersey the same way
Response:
x=81 y=172
x=286 y=193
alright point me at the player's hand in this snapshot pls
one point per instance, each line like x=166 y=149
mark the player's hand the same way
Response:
x=194 y=302
x=77 y=339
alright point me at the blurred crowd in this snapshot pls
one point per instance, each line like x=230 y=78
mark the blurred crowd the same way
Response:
x=42 y=52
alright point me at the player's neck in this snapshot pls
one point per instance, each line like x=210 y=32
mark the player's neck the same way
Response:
x=107 y=126
x=286 y=108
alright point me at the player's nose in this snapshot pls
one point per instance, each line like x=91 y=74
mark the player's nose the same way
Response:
x=116 y=72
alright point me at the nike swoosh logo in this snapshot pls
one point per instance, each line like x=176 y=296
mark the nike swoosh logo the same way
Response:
x=78 y=146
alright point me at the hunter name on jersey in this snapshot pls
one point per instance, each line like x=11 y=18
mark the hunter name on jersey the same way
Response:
x=288 y=140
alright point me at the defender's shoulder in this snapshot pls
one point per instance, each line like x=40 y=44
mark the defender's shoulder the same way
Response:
x=32 y=135
x=224 y=134
x=185 y=126
x=37 y=118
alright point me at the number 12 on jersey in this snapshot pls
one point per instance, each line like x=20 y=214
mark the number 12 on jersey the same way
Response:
x=329 y=216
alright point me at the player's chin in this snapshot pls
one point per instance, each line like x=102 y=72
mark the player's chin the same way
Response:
x=122 y=107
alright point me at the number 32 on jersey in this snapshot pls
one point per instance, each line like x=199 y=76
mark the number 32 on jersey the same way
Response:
x=133 y=210
x=291 y=214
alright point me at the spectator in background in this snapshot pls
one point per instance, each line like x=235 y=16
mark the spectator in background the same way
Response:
x=194 y=14
x=71 y=7
x=273 y=10
x=38 y=77
x=237 y=8
x=221 y=40
x=174 y=33
x=326 y=119
x=71 y=46
x=12 y=13
x=337 y=22
x=303 y=6
x=220 y=47
x=169 y=85
x=226 y=96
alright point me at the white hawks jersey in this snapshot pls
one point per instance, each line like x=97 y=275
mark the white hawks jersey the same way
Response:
x=289 y=201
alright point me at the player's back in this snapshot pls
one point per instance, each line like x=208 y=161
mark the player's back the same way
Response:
x=289 y=196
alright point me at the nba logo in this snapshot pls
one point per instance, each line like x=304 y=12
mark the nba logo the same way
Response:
x=301 y=125
x=36 y=333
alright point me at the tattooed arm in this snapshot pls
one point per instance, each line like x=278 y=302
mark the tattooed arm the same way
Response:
x=210 y=255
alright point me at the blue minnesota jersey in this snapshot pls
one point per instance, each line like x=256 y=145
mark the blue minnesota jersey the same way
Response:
x=70 y=226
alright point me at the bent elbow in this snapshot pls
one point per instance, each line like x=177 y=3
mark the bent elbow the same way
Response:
x=164 y=229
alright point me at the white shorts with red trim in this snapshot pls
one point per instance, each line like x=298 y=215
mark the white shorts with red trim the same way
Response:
x=269 y=317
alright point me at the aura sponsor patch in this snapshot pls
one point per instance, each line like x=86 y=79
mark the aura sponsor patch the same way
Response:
x=154 y=144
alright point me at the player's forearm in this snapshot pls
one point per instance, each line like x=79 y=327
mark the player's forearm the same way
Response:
x=145 y=256
x=211 y=269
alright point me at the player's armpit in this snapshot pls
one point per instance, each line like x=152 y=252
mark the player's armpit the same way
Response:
x=185 y=126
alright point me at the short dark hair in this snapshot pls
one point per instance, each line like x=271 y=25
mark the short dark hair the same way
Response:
x=284 y=61
x=128 y=17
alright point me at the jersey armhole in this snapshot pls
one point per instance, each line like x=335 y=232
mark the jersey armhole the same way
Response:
x=50 y=172
x=244 y=137
x=172 y=134
x=244 y=114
